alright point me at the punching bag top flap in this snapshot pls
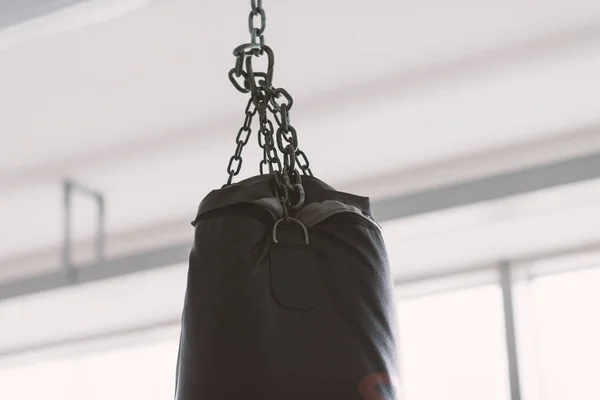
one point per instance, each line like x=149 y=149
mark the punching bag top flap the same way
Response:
x=260 y=187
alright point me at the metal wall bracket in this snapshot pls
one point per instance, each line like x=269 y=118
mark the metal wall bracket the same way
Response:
x=70 y=189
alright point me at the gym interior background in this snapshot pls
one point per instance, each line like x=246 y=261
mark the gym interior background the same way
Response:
x=473 y=126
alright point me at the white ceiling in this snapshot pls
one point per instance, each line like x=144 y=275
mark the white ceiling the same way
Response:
x=139 y=106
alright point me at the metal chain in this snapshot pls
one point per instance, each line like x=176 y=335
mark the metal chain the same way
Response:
x=257 y=36
x=267 y=144
x=243 y=136
x=287 y=133
x=281 y=153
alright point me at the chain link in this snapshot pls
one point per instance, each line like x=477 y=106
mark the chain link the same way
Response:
x=255 y=4
x=274 y=113
x=303 y=163
x=257 y=34
x=281 y=154
x=235 y=162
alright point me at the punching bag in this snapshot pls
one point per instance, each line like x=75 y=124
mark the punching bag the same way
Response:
x=289 y=293
x=285 y=313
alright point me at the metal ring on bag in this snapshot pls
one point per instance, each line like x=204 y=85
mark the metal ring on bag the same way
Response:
x=294 y=220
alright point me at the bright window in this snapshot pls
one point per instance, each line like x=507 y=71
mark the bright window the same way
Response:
x=453 y=346
x=138 y=372
x=568 y=331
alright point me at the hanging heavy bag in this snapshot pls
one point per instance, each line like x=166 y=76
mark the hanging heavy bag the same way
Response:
x=284 y=313
x=289 y=294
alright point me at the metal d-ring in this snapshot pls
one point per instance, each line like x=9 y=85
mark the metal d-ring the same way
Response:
x=290 y=219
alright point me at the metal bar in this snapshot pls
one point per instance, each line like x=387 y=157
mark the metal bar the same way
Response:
x=40 y=283
x=101 y=228
x=69 y=189
x=88 y=273
x=509 y=324
x=66 y=252
x=492 y=188
x=84 y=189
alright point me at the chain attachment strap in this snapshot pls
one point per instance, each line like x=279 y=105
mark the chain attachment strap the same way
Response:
x=282 y=157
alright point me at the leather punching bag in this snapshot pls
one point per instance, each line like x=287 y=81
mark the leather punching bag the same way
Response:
x=289 y=294
x=301 y=309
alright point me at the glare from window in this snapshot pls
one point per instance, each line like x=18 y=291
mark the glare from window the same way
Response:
x=453 y=346
x=567 y=310
x=140 y=372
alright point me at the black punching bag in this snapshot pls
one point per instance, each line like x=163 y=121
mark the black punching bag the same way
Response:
x=289 y=294
x=296 y=309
